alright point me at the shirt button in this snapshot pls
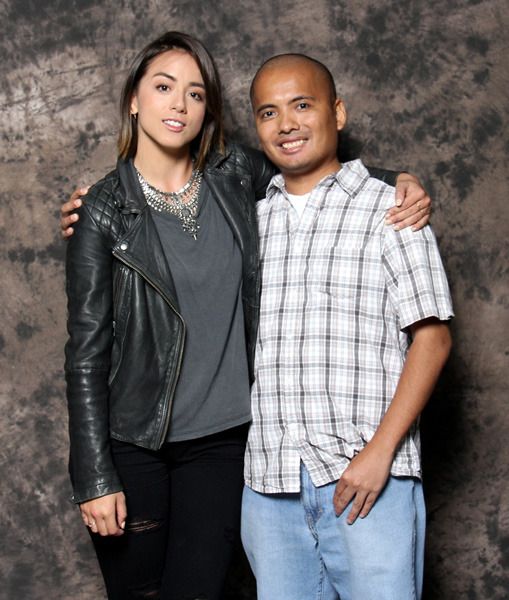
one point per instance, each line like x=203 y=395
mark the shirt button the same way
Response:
x=123 y=246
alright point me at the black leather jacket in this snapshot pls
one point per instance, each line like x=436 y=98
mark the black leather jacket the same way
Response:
x=126 y=336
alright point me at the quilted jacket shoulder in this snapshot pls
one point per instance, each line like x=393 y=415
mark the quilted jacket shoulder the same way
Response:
x=103 y=202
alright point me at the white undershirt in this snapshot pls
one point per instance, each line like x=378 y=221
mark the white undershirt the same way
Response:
x=299 y=202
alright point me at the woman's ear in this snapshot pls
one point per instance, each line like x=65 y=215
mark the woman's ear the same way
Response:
x=134 y=106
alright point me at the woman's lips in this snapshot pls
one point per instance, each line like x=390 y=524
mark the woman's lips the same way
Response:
x=174 y=125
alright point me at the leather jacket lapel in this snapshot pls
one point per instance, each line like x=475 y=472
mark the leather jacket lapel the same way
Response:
x=230 y=197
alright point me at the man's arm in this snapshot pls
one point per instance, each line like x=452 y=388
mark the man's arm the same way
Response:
x=367 y=474
x=413 y=205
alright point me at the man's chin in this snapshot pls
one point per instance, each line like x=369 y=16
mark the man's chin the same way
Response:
x=294 y=167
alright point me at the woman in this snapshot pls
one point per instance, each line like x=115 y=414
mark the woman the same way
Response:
x=162 y=287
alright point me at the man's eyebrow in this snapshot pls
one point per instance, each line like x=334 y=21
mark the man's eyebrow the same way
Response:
x=292 y=101
x=173 y=78
x=264 y=107
x=299 y=98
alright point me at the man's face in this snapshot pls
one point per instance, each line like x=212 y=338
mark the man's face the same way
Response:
x=297 y=121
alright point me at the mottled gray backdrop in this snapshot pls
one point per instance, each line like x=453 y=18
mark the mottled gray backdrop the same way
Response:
x=427 y=87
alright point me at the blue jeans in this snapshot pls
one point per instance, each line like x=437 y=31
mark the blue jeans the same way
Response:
x=299 y=550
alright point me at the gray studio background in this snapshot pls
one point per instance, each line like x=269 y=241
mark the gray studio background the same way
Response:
x=426 y=83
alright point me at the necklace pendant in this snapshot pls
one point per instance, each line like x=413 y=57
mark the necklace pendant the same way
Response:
x=182 y=204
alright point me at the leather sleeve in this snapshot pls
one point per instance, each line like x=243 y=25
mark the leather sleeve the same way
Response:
x=388 y=177
x=87 y=365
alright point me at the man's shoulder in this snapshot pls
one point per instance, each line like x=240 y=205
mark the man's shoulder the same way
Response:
x=367 y=189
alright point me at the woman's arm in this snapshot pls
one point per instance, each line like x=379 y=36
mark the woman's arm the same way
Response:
x=88 y=350
x=105 y=515
x=412 y=204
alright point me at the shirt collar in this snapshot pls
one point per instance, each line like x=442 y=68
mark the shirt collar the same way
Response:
x=352 y=177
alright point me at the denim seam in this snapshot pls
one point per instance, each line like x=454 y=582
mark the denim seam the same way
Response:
x=414 y=545
x=320 y=584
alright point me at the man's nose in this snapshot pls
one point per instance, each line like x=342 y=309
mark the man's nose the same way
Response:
x=287 y=122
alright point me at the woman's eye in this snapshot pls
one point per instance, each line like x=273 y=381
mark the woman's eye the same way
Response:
x=162 y=87
x=196 y=96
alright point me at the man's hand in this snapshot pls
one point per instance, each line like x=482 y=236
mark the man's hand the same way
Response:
x=362 y=481
x=413 y=205
x=367 y=474
x=67 y=216
x=105 y=515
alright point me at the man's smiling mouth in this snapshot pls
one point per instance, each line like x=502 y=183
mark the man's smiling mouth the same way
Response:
x=292 y=144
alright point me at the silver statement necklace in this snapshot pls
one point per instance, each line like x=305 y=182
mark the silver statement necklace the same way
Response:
x=183 y=203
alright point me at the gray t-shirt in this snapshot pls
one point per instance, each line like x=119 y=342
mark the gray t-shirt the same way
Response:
x=212 y=393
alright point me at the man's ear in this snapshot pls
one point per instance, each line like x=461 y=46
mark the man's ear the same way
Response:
x=340 y=111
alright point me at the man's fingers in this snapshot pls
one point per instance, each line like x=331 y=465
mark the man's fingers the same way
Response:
x=78 y=192
x=68 y=220
x=70 y=205
x=67 y=217
x=357 y=506
x=66 y=233
x=368 y=504
x=342 y=499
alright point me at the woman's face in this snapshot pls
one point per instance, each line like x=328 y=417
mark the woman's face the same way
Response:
x=169 y=103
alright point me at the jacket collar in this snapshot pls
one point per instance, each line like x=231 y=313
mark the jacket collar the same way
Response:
x=133 y=198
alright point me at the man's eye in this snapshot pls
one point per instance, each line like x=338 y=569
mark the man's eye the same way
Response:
x=267 y=114
x=303 y=105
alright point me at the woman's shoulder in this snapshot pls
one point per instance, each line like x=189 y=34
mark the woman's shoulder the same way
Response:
x=104 y=191
x=243 y=156
x=103 y=199
x=244 y=160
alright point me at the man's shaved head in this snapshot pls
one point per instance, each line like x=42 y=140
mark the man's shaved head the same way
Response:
x=296 y=60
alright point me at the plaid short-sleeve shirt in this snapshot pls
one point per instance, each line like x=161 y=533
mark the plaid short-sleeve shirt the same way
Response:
x=339 y=290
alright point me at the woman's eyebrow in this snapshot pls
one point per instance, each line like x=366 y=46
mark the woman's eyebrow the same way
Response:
x=173 y=78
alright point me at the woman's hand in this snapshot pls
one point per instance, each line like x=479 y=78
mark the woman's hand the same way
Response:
x=67 y=216
x=105 y=515
x=413 y=205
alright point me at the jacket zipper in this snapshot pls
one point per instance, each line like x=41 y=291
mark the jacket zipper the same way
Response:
x=119 y=291
x=169 y=394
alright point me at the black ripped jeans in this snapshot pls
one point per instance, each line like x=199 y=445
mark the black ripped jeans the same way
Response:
x=183 y=506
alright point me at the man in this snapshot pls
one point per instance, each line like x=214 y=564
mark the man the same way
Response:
x=352 y=338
